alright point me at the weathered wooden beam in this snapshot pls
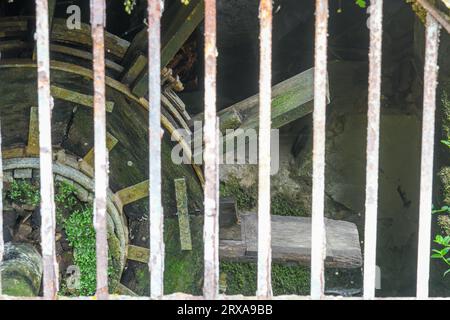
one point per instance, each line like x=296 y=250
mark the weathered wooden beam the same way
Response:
x=33 y=133
x=111 y=142
x=136 y=68
x=183 y=215
x=76 y=97
x=139 y=254
x=133 y=193
x=179 y=29
x=291 y=99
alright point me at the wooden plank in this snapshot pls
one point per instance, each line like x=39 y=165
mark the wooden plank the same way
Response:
x=9 y=45
x=180 y=28
x=139 y=254
x=114 y=45
x=13 y=153
x=133 y=193
x=33 y=133
x=111 y=142
x=291 y=240
x=83 y=55
x=77 y=97
x=233 y=250
x=183 y=215
x=136 y=68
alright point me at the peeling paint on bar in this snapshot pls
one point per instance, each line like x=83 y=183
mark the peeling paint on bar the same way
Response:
x=156 y=263
x=264 y=289
x=373 y=141
x=48 y=223
x=318 y=243
x=98 y=12
x=426 y=170
x=211 y=157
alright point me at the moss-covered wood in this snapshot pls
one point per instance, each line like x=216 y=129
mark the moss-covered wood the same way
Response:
x=21 y=270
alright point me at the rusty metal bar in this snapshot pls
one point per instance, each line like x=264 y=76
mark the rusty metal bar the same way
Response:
x=98 y=16
x=211 y=157
x=2 y=244
x=264 y=289
x=443 y=19
x=318 y=241
x=373 y=142
x=45 y=101
x=156 y=263
x=427 y=158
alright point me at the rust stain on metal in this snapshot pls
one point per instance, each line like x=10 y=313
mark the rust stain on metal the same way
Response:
x=318 y=244
x=427 y=157
x=211 y=157
x=156 y=261
x=264 y=289
x=48 y=224
x=373 y=132
x=101 y=152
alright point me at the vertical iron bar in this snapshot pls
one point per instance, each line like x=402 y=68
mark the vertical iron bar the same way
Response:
x=48 y=223
x=372 y=152
x=265 y=92
x=156 y=263
x=2 y=244
x=318 y=243
x=426 y=171
x=98 y=16
x=211 y=220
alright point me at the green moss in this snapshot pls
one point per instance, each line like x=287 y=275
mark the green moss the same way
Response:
x=445 y=100
x=183 y=269
x=77 y=220
x=17 y=286
x=444 y=175
x=241 y=278
x=284 y=206
x=23 y=192
x=246 y=198
x=418 y=9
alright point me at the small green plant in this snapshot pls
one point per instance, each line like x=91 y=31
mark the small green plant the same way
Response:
x=444 y=209
x=23 y=192
x=76 y=219
x=361 y=3
x=81 y=236
x=446 y=143
x=441 y=253
x=129 y=5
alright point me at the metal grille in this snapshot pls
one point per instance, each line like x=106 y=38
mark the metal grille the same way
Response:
x=435 y=20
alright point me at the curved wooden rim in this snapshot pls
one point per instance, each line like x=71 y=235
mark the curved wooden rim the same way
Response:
x=118 y=86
